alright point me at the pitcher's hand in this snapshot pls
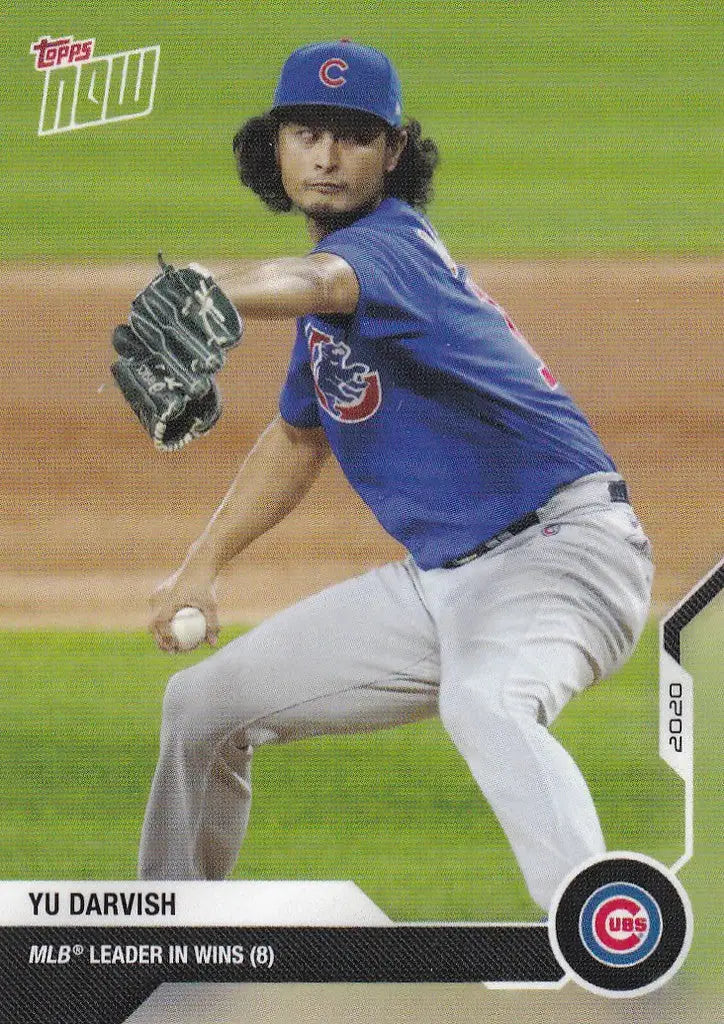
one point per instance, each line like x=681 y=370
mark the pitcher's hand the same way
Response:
x=181 y=589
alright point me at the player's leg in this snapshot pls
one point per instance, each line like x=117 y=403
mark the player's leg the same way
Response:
x=358 y=656
x=521 y=630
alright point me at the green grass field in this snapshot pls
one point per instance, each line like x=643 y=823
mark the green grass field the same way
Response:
x=563 y=127
x=396 y=811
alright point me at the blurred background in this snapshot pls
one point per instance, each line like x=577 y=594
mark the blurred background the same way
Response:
x=580 y=176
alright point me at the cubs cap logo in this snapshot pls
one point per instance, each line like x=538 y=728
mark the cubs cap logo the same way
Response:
x=621 y=924
x=341 y=74
x=330 y=72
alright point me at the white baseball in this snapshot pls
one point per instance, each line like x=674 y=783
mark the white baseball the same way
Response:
x=188 y=628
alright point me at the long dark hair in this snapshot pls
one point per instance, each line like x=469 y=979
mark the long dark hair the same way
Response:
x=254 y=149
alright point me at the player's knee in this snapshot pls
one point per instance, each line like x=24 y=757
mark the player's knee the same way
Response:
x=199 y=708
x=179 y=702
x=530 y=705
x=468 y=714
x=191 y=711
x=480 y=717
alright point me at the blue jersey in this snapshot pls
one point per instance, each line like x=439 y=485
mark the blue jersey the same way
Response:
x=442 y=417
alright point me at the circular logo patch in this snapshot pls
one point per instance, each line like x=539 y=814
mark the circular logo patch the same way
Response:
x=621 y=925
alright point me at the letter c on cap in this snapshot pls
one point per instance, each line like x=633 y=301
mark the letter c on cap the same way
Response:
x=333 y=81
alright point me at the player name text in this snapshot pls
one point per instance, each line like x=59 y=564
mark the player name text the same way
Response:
x=105 y=904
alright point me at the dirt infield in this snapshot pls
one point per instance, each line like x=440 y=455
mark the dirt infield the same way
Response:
x=93 y=515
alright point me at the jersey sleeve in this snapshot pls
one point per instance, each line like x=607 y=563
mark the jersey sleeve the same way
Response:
x=297 y=400
x=384 y=270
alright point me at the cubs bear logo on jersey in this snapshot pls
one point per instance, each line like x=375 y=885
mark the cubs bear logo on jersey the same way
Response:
x=350 y=392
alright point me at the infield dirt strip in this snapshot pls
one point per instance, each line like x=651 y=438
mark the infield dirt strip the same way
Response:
x=94 y=515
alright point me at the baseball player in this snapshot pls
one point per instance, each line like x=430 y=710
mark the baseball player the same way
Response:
x=528 y=576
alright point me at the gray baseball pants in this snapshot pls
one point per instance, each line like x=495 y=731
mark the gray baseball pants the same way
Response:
x=496 y=647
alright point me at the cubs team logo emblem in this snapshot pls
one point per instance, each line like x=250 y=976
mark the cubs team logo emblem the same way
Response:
x=349 y=392
x=330 y=73
x=621 y=924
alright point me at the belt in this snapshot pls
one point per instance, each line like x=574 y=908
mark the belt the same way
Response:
x=617 y=491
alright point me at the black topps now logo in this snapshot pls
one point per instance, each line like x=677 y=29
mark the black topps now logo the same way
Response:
x=621 y=925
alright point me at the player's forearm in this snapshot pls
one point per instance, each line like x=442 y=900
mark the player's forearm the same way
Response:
x=273 y=479
x=293 y=287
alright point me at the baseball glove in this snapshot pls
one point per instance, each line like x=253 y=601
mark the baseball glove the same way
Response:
x=181 y=325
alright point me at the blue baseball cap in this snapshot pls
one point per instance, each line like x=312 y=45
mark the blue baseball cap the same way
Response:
x=341 y=74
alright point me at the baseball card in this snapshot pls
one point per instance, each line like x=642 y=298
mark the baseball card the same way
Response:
x=362 y=565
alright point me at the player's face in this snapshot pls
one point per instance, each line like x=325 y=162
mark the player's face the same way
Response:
x=331 y=170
